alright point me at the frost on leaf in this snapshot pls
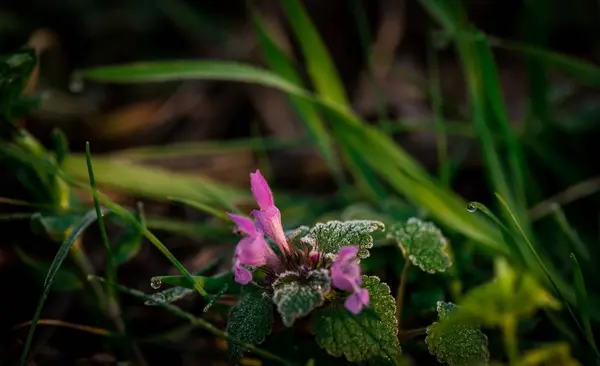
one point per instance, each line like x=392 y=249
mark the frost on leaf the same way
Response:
x=423 y=244
x=458 y=344
x=250 y=320
x=170 y=295
x=295 y=296
x=370 y=336
x=333 y=235
x=293 y=236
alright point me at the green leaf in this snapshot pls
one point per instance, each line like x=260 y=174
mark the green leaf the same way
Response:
x=65 y=280
x=250 y=320
x=331 y=236
x=423 y=244
x=129 y=242
x=369 y=336
x=296 y=296
x=507 y=295
x=169 y=295
x=459 y=344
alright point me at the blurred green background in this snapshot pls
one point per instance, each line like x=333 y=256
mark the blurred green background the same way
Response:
x=380 y=109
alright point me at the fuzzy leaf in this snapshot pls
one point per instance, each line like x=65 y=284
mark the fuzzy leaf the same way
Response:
x=369 y=336
x=333 y=235
x=457 y=345
x=250 y=320
x=293 y=236
x=423 y=244
x=296 y=296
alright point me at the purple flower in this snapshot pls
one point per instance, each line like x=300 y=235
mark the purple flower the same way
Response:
x=268 y=218
x=345 y=275
x=252 y=250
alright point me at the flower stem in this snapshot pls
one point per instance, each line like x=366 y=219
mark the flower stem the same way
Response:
x=400 y=293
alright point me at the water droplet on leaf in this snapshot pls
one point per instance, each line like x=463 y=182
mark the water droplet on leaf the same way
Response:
x=471 y=207
x=155 y=283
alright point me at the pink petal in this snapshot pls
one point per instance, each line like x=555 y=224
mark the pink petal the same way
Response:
x=252 y=251
x=345 y=270
x=353 y=303
x=242 y=275
x=347 y=252
x=269 y=222
x=261 y=191
x=243 y=223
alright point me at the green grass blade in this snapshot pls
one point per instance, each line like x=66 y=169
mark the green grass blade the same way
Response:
x=155 y=183
x=201 y=207
x=84 y=222
x=562 y=221
x=111 y=271
x=199 y=322
x=283 y=66
x=582 y=304
x=204 y=148
x=320 y=66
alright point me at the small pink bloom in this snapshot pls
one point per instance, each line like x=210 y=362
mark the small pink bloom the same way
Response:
x=345 y=275
x=252 y=250
x=268 y=218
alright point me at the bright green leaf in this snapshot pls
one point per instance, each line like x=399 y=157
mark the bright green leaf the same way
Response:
x=423 y=244
x=457 y=345
x=250 y=320
x=550 y=354
x=369 y=336
x=506 y=296
x=331 y=236
x=295 y=296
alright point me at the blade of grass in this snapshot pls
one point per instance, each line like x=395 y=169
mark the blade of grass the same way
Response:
x=84 y=222
x=444 y=167
x=283 y=66
x=562 y=221
x=319 y=63
x=153 y=182
x=84 y=328
x=329 y=86
x=186 y=149
x=199 y=322
x=112 y=299
x=583 y=305
x=201 y=207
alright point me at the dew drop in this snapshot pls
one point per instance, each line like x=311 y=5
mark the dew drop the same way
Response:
x=471 y=207
x=76 y=84
x=155 y=283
